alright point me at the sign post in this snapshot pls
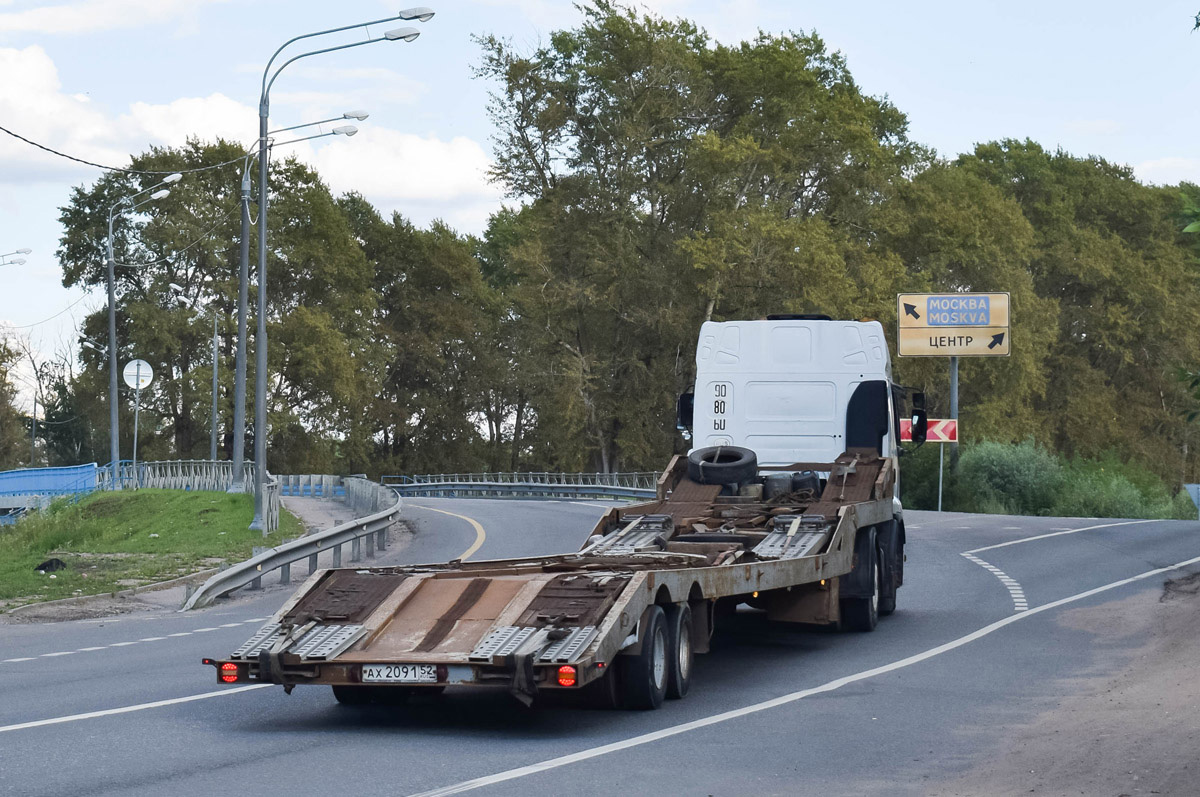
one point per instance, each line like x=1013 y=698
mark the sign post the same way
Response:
x=940 y=430
x=138 y=374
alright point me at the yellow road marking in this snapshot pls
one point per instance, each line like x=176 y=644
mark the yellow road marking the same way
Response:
x=480 y=534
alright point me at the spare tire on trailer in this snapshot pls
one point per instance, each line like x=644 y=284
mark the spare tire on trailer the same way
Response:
x=722 y=465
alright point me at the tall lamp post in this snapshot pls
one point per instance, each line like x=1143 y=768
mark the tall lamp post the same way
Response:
x=124 y=205
x=260 y=342
x=198 y=306
x=239 y=382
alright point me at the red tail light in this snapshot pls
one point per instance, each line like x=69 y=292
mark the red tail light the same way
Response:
x=566 y=675
x=229 y=672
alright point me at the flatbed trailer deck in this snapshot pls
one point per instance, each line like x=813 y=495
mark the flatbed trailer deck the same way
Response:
x=639 y=598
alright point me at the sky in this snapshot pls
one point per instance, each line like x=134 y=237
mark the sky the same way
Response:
x=101 y=79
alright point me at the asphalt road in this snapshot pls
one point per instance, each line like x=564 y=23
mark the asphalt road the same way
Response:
x=122 y=706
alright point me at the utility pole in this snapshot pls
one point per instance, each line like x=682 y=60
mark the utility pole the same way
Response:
x=33 y=431
x=212 y=449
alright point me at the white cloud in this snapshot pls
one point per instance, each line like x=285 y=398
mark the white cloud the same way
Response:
x=33 y=104
x=88 y=16
x=423 y=177
x=190 y=117
x=1168 y=171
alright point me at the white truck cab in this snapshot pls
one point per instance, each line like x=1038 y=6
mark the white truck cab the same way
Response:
x=794 y=389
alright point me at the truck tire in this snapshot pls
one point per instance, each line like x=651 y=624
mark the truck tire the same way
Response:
x=603 y=693
x=862 y=614
x=679 y=625
x=887 y=544
x=349 y=695
x=644 y=676
x=722 y=465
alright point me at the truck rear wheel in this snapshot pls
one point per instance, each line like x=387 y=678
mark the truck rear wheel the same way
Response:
x=679 y=624
x=349 y=695
x=862 y=613
x=644 y=676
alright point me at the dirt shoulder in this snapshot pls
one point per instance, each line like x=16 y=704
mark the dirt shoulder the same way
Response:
x=1135 y=732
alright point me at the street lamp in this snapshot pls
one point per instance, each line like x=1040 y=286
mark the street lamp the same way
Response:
x=212 y=448
x=420 y=13
x=357 y=115
x=239 y=382
x=20 y=261
x=124 y=204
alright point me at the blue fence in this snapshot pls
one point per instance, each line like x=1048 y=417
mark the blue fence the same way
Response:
x=21 y=489
x=49 y=481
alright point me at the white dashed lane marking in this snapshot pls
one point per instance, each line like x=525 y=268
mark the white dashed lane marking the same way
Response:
x=1020 y=604
x=134 y=642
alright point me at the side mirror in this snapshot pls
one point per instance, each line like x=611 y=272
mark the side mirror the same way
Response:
x=684 y=411
x=920 y=424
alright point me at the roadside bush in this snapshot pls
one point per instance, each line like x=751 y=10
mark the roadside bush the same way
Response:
x=1086 y=494
x=1026 y=479
x=1110 y=487
x=1018 y=479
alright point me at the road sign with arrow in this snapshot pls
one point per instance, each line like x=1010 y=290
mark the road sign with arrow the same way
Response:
x=953 y=324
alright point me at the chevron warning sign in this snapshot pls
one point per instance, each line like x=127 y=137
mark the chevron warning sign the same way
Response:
x=941 y=430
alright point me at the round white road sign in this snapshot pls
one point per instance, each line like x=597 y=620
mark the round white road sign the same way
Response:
x=138 y=374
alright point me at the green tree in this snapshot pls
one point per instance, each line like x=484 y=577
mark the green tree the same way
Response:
x=319 y=300
x=672 y=179
x=954 y=231
x=1107 y=252
x=433 y=355
x=13 y=425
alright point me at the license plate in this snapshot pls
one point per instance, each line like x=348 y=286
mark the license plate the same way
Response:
x=399 y=673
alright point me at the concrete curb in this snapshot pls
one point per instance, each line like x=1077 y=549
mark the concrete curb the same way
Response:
x=80 y=600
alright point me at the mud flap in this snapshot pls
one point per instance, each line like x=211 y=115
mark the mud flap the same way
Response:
x=524 y=682
x=269 y=668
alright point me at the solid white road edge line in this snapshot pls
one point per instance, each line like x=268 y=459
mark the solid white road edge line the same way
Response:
x=127 y=709
x=1058 y=534
x=625 y=744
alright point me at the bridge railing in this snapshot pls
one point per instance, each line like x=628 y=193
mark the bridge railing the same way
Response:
x=364 y=535
x=643 y=480
x=521 y=490
x=191 y=474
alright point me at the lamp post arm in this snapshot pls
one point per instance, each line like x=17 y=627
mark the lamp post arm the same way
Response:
x=307 y=124
x=294 y=39
x=306 y=138
x=268 y=83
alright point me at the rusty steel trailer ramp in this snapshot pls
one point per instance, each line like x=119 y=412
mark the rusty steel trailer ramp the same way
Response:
x=640 y=597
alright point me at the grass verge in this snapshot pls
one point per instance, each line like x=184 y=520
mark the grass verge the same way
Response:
x=115 y=540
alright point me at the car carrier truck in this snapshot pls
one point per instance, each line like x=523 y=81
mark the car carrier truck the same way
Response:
x=788 y=503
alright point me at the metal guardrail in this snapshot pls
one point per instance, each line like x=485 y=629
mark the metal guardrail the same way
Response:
x=639 y=480
x=311 y=485
x=520 y=490
x=361 y=494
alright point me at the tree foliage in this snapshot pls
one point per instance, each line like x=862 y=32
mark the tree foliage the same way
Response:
x=657 y=178
x=12 y=422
